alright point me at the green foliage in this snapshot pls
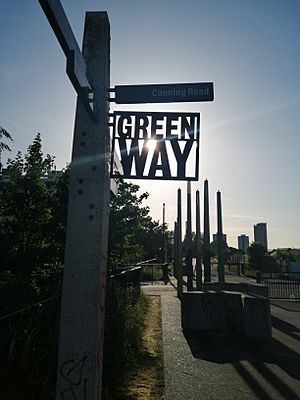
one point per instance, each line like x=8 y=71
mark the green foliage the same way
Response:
x=32 y=235
x=257 y=253
x=124 y=327
x=286 y=255
x=32 y=227
x=133 y=235
x=6 y=135
x=259 y=257
x=33 y=217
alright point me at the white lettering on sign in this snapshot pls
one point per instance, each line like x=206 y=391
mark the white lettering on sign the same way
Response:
x=191 y=91
x=157 y=145
x=169 y=93
x=197 y=92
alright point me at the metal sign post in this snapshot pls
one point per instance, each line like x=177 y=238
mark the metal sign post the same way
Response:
x=83 y=297
x=76 y=65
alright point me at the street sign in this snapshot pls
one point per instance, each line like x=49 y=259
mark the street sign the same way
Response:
x=166 y=93
x=156 y=145
x=76 y=66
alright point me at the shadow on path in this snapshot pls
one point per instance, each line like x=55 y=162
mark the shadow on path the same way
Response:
x=229 y=347
x=286 y=327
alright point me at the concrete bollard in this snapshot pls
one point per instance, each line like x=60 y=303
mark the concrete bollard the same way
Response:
x=238 y=312
x=256 y=318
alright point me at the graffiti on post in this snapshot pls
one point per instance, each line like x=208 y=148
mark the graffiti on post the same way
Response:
x=72 y=372
x=208 y=307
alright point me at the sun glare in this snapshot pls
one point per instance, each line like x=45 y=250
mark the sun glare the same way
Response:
x=151 y=144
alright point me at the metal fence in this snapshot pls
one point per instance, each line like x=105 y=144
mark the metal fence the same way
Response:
x=152 y=273
x=239 y=269
x=146 y=272
x=29 y=337
x=281 y=285
x=129 y=277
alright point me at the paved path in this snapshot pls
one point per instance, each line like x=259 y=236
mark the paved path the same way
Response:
x=225 y=366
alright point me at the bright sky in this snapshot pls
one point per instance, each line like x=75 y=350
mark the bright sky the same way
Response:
x=250 y=137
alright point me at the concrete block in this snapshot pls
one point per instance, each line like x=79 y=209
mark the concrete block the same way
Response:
x=229 y=311
x=198 y=310
x=211 y=311
x=243 y=287
x=257 y=318
x=247 y=314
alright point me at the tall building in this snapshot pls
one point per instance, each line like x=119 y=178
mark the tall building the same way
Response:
x=260 y=234
x=243 y=242
x=215 y=237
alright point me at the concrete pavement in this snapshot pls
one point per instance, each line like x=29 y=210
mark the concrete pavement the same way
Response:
x=216 y=365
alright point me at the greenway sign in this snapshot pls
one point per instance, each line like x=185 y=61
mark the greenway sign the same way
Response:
x=164 y=93
x=156 y=145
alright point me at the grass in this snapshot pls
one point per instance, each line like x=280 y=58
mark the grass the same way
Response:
x=145 y=378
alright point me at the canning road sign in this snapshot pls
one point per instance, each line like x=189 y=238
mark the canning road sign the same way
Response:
x=156 y=145
x=166 y=93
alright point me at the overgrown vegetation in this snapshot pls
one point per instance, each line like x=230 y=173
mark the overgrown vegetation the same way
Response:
x=33 y=214
x=32 y=234
x=124 y=327
x=134 y=236
x=258 y=256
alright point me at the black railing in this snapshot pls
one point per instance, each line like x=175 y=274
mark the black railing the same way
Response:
x=28 y=347
x=146 y=272
x=239 y=269
x=281 y=285
x=127 y=278
x=29 y=336
x=153 y=273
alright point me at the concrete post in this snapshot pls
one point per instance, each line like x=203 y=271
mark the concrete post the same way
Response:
x=165 y=260
x=175 y=263
x=189 y=262
x=165 y=254
x=220 y=240
x=179 y=243
x=207 y=264
x=198 y=245
x=83 y=297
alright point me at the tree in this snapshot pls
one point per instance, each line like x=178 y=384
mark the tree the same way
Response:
x=3 y=145
x=31 y=253
x=258 y=255
x=6 y=135
x=133 y=235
